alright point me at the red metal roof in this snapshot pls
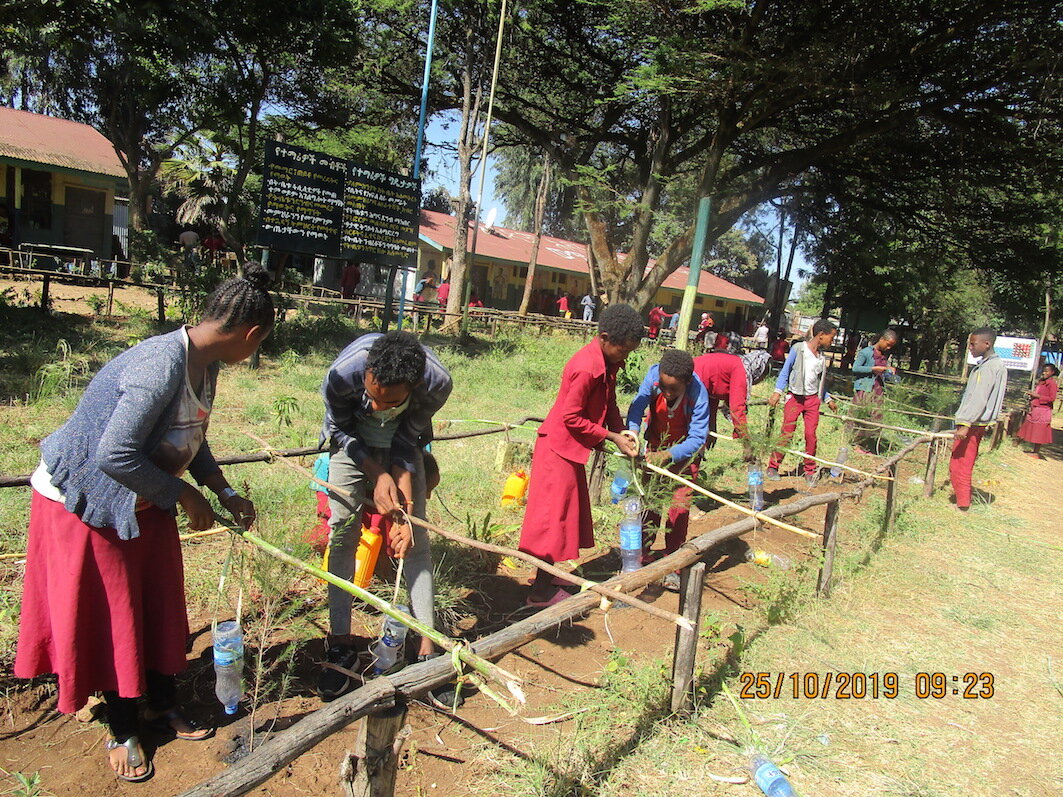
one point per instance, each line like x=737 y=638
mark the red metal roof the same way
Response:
x=56 y=142
x=557 y=253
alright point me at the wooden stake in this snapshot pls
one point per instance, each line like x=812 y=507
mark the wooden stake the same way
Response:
x=370 y=770
x=719 y=498
x=830 y=545
x=597 y=477
x=931 y=467
x=110 y=297
x=891 y=502
x=691 y=581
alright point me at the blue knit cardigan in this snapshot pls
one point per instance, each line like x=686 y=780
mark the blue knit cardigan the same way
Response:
x=99 y=459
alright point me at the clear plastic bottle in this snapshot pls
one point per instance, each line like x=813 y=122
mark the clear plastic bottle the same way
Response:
x=389 y=647
x=228 y=639
x=843 y=454
x=621 y=481
x=755 y=479
x=768 y=777
x=631 y=535
x=766 y=559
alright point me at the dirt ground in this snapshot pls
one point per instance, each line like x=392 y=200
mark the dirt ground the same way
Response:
x=445 y=753
x=71 y=298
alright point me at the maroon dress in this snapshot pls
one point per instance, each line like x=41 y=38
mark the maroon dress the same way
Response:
x=557 y=521
x=1037 y=428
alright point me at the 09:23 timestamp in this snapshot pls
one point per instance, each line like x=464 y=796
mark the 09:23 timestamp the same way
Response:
x=860 y=686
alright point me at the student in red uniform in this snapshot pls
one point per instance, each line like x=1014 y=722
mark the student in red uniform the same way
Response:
x=657 y=318
x=675 y=406
x=724 y=377
x=557 y=521
x=1037 y=428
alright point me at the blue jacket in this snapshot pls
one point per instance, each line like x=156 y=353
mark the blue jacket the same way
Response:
x=697 y=398
x=864 y=362
x=345 y=400
x=99 y=459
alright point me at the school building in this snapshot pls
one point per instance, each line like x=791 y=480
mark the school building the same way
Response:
x=58 y=181
x=500 y=268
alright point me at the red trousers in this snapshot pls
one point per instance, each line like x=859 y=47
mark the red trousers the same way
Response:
x=796 y=406
x=961 y=466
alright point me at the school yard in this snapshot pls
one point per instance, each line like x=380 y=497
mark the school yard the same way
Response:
x=942 y=594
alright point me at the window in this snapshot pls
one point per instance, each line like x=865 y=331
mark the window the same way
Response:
x=37 y=199
x=562 y=278
x=719 y=302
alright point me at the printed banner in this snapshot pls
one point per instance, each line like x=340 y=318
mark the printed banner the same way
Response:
x=1017 y=353
x=321 y=205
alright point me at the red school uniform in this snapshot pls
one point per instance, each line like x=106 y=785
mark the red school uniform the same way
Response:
x=664 y=430
x=557 y=521
x=724 y=376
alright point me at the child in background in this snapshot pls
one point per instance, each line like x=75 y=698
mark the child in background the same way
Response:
x=557 y=521
x=801 y=377
x=675 y=406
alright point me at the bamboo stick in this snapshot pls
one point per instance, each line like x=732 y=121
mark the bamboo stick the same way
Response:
x=816 y=459
x=727 y=502
x=564 y=575
x=886 y=425
x=458 y=650
x=182 y=537
x=885 y=408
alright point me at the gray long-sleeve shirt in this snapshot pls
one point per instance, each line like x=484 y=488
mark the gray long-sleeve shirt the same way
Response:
x=983 y=397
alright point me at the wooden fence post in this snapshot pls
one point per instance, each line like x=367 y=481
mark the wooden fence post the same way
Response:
x=931 y=468
x=161 y=297
x=891 y=500
x=44 y=293
x=691 y=581
x=830 y=545
x=370 y=770
x=597 y=477
x=110 y=297
x=998 y=432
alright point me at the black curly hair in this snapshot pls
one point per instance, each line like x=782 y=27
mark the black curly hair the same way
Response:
x=242 y=301
x=622 y=323
x=677 y=364
x=396 y=358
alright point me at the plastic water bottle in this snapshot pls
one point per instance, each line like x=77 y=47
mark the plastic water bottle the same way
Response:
x=621 y=481
x=755 y=479
x=843 y=454
x=387 y=650
x=768 y=777
x=229 y=664
x=767 y=559
x=631 y=536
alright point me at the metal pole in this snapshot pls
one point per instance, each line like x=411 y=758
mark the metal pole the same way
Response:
x=483 y=171
x=690 y=293
x=420 y=130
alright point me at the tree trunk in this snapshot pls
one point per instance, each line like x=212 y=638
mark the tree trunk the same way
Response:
x=460 y=261
x=1044 y=334
x=540 y=211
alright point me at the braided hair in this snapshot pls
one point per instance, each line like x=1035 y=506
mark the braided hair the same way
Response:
x=242 y=300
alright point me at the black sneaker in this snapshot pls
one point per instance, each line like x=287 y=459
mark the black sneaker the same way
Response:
x=811 y=481
x=671 y=582
x=772 y=475
x=332 y=683
x=445 y=697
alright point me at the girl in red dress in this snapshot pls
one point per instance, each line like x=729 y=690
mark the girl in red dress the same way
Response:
x=1037 y=428
x=557 y=522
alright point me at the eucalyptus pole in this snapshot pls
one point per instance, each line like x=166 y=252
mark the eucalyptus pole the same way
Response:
x=690 y=293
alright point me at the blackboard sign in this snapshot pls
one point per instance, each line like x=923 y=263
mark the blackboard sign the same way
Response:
x=322 y=205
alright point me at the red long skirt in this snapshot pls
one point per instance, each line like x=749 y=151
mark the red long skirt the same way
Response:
x=97 y=610
x=1037 y=428
x=557 y=521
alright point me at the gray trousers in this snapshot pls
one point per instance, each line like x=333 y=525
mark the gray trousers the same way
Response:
x=346 y=530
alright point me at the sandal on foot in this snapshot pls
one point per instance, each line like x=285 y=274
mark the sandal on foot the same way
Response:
x=165 y=722
x=557 y=597
x=133 y=759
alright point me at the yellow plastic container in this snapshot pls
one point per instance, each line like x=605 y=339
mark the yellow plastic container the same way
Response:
x=366 y=557
x=515 y=488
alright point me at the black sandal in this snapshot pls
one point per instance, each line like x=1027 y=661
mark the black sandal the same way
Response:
x=164 y=722
x=132 y=759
